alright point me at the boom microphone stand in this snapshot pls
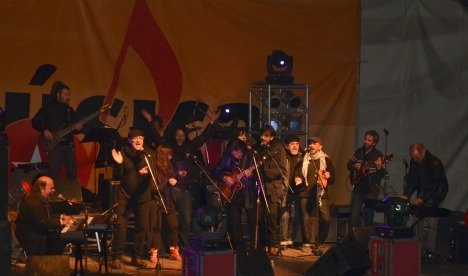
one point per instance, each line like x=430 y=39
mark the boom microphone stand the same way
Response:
x=387 y=177
x=260 y=187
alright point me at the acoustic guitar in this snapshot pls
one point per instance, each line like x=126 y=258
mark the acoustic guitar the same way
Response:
x=357 y=175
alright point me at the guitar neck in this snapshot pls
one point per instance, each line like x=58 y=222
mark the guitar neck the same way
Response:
x=72 y=127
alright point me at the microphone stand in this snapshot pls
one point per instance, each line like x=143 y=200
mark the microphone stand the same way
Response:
x=387 y=177
x=260 y=187
x=202 y=168
x=155 y=184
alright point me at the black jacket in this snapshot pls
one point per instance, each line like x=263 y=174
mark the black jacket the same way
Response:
x=428 y=179
x=53 y=116
x=133 y=186
x=308 y=191
x=34 y=223
x=273 y=170
x=370 y=183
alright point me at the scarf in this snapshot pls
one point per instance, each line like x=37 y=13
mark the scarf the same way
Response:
x=323 y=166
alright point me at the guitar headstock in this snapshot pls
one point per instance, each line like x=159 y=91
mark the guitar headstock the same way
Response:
x=105 y=108
x=387 y=158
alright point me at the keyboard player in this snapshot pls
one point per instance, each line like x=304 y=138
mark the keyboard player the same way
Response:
x=37 y=229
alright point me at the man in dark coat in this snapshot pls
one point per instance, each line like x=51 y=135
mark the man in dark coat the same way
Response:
x=427 y=178
x=134 y=195
x=37 y=229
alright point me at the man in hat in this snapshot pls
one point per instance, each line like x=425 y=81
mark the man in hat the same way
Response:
x=289 y=204
x=312 y=179
x=135 y=193
x=55 y=115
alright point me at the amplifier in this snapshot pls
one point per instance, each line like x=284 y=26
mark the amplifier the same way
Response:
x=395 y=232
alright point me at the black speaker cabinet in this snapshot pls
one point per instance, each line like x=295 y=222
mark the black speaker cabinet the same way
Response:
x=459 y=243
x=253 y=262
x=48 y=265
x=347 y=258
x=5 y=246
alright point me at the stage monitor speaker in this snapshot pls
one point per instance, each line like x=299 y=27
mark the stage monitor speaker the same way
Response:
x=48 y=265
x=253 y=262
x=361 y=234
x=347 y=258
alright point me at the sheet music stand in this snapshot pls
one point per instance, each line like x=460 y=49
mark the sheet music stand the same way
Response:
x=108 y=139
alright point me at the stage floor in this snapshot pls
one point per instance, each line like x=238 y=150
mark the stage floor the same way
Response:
x=289 y=262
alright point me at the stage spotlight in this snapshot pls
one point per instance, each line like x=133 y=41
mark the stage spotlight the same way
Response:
x=275 y=123
x=292 y=124
x=226 y=115
x=275 y=100
x=291 y=100
x=279 y=68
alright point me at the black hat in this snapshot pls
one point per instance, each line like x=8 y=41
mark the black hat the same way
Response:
x=291 y=138
x=135 y=132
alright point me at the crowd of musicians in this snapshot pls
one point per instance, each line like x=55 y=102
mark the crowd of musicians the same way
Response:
x=278 y=185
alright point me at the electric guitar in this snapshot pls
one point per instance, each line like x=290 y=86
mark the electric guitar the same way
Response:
x=357 y=175
x=230 y=191
x=49 y=145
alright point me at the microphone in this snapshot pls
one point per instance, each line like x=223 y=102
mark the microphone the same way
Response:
x=251 y=149
x=145 y=153
x=60 y=196
x=188 y=155
x=406 y=163
x=385 y=131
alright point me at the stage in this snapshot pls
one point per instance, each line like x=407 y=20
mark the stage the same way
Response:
x=289 y=262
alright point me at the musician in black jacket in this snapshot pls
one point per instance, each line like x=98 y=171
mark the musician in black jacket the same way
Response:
x=290 y=206
x=237 y=162
x=53 y=116
x=187 y=173
x=275 y=178
x=368 y=186
x=37 y=228
x=426 y=177
x=312 y=179
x=135 y=193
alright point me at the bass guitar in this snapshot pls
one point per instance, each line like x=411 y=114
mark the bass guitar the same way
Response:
x=49 y=145
x=357 y=175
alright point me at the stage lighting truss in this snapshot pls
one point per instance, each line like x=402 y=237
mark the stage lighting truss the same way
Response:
x=284 y=107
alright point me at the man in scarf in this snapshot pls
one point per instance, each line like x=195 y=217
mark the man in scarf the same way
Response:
x=134 y=195
x=312 y=180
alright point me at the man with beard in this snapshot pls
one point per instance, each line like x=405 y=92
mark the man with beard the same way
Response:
x=275 y=176
x=53 y=116
x=37 y=229
x=312 y=178
x=134 y=195
x=368 y=187
x=289 y=205
x=182 y=148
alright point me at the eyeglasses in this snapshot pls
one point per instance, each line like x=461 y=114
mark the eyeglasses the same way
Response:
x=138 y=138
